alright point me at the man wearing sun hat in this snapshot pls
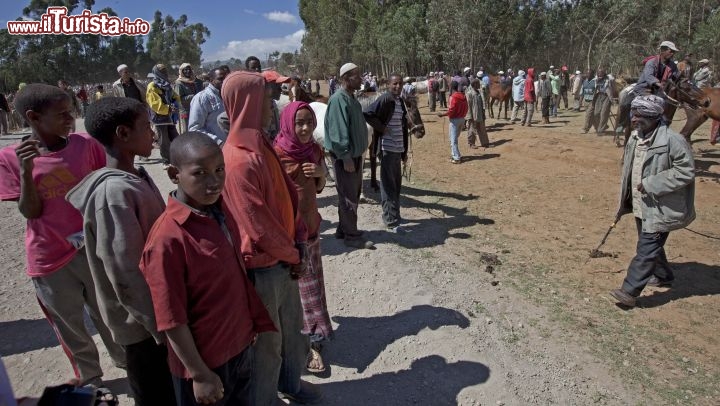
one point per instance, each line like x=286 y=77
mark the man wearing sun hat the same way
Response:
x=346 y=137
x=658 y=69
x=658 y=188
x=273 y=85
x=703 y=75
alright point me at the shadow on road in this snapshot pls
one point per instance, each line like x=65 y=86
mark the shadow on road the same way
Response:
x=21 y=336
x=359 y=340
x=691 y=279
x=429 y=381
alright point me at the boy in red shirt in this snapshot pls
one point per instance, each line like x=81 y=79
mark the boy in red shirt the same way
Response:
x=202 y=297
x=456 y=113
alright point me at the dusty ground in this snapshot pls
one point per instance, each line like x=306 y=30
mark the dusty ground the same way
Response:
x=490 y=297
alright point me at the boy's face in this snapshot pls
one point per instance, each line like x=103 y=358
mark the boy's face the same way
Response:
x=138 y=138
x=56 y=121
x=200 y=177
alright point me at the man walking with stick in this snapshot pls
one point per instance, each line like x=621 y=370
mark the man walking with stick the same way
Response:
x=658 y=188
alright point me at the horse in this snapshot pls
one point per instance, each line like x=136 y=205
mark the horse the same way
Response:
x=698 y=104
x=708 y=106
x=413 y=121
x=501 y=92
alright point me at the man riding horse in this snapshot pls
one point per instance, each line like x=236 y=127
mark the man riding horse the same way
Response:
x=658 y=69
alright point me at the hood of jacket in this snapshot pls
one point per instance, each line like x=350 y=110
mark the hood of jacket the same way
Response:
x=531 y=74
x=83 y=193
x=243 y=94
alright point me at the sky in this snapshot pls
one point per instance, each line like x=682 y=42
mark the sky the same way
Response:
x=238 y=28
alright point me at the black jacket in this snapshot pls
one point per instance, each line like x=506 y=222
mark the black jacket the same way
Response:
x=378 y=115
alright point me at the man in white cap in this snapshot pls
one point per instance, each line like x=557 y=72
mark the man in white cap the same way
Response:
x=577 y=90
x=126 y=86
x=658 y=188
x=703 y=75
x=518 y=95
x=658 y=69
x=346 y=138
x=433 y=88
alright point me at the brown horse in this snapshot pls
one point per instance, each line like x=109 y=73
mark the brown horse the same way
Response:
x=698 y=105
x=500 y=92
x=708 y=107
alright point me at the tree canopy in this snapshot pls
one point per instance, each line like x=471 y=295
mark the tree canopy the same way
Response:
x=417 y=36
x=91 y=58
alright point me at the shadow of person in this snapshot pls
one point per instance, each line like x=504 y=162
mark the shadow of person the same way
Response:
x=21 y=336
x=702 y=168
x=691 y=279
x=378 y=332
x=429 y=381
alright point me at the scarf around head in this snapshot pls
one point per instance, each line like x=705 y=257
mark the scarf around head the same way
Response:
x=288 y=141
x=162 y=82
x=191 y=78
x=649 y=105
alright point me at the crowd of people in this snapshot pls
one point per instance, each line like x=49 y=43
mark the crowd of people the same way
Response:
x=216 y=295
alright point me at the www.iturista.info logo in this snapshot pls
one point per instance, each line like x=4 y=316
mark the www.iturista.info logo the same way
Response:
x=56 y=21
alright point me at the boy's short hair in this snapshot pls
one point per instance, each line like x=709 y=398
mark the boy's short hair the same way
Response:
x=38 y=97
x=190 y=140
x=104 y=116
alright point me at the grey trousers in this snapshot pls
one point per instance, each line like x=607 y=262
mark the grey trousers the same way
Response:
x=390 y=185
x=62 y=295
x=517 y=105
x=598 y=113
x=529 y=110
x=649 y=260
x=279 y=356
x=477 y=129
x=348 y=186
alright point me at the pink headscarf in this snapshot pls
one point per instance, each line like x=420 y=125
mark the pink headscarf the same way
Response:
x=288 y=141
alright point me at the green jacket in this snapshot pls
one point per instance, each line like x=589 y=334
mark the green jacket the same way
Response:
x=346 y=133
x=554 y=83
x=668 y=176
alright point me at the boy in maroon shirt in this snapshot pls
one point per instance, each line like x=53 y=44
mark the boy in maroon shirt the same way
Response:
x=202 y=297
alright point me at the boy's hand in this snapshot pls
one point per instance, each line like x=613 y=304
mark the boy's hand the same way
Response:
x=26 y=152
x=312 y=170
x=208 y=388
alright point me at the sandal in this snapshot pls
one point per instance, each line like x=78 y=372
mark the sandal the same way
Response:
x=315 y=363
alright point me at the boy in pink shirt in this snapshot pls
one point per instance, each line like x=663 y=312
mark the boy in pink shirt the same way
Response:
x=37 y=174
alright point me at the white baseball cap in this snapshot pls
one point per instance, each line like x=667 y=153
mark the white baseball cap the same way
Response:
x=669 y=44
x=467 y=69
x=501 y=73
x=347 y=68
x=577 y=72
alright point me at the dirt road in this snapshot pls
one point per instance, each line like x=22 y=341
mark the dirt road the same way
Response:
x=488 y=299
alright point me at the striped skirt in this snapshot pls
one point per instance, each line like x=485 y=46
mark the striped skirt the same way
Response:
x=316 y=321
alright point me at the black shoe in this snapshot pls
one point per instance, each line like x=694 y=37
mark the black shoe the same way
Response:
x=623 y=297
x=339 y=234
x=656 y=282
x=359 y=242
x=309 y=394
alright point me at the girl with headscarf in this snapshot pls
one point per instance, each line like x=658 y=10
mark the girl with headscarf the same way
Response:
x=163 y=102
x=301 y=158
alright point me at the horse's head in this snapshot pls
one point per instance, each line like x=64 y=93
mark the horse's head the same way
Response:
x=691 y=94
x=414 y=121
